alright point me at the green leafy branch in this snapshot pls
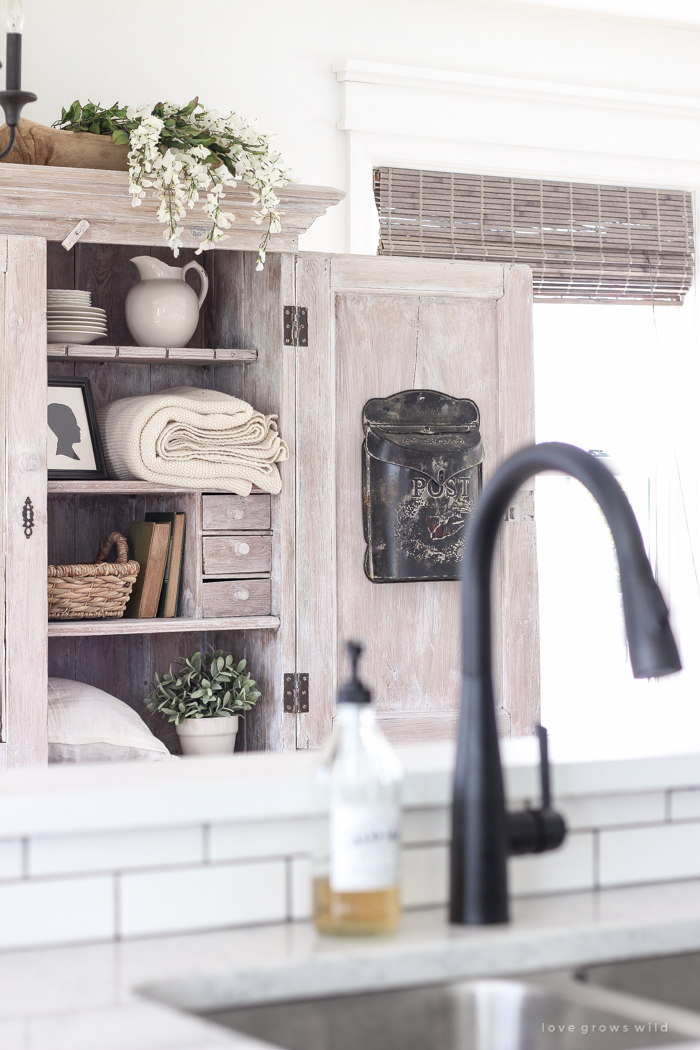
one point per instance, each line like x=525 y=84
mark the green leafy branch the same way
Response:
x=211 y=152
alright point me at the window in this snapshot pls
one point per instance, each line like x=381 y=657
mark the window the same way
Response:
x=620 y=380
x=609 y=379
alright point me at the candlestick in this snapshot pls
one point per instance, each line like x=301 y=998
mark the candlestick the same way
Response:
x=14 y=16
x=12 y=99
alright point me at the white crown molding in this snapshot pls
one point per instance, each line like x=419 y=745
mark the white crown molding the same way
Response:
x=382 y=74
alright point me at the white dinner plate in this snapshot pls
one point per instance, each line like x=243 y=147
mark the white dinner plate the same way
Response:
x=74 y=337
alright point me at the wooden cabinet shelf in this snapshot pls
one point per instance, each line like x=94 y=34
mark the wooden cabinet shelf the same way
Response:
x=174 y=624
x=123 y=488
x=158 y=355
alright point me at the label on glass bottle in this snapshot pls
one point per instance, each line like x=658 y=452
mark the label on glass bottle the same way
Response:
x=364 y=847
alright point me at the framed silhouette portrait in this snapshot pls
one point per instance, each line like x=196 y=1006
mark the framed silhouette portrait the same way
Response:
x=74 y=447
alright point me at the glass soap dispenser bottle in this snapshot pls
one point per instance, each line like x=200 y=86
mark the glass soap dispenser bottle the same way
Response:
x=360 y=893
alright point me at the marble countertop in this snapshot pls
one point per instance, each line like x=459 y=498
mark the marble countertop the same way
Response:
x=121 y=996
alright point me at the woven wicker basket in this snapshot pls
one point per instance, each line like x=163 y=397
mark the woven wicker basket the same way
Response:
x=97 y=591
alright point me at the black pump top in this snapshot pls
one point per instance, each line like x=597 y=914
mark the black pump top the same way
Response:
x=354 y=692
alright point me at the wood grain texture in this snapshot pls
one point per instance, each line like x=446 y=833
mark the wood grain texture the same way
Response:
x=316 y=643
x=519 y=672
x=48 y=201
x=147 y=354
x=236 y=598
x=174 y=625
x=4 y=505
x=417 y=727
x=24 y=380
x=237 y=554
x=229 y=513
x=438 y=343
x=249 y=312
x=116 y=488
x=417 y=276
x=398 y=328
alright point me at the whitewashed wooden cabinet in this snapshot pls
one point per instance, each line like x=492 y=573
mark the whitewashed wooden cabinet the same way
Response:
x=375 y=326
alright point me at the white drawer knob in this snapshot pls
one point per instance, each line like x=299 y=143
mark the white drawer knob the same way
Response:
x=241 y=595
x=241 y=549
x=237 y=513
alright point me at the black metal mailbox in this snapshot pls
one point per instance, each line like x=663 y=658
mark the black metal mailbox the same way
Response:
x=421 y=474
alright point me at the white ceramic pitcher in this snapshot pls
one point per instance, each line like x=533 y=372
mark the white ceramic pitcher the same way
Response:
x=162 y=309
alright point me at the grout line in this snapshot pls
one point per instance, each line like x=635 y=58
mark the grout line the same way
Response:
x=25 y=858
x=289 y=875
x=206 y=843
x=117 y=906
x=668 y=804
x=596 y=859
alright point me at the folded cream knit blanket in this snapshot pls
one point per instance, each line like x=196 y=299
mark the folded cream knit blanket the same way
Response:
x=192 y=438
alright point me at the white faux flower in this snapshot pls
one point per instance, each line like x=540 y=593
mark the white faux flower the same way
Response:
x=176 y=177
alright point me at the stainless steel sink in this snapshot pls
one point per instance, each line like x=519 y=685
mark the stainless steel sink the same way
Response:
x=473 y=1015
x=668 y=979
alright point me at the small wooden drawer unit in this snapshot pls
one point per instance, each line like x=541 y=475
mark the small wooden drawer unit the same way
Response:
x=236 y=513
x=236 y=555
x=236 y=598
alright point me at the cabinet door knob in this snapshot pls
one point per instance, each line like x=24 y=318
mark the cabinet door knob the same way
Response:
x=241 y=549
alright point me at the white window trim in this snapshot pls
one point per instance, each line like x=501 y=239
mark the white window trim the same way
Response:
x=450 y=121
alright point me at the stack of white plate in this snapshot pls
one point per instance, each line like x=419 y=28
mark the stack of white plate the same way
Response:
x=71 y=317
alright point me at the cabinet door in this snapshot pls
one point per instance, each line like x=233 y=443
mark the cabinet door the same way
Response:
x=378 y=326
x=23 y=601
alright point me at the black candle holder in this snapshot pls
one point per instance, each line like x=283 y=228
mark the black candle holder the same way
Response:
x=13 y=99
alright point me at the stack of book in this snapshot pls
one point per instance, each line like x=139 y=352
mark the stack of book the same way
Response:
x=157 y=544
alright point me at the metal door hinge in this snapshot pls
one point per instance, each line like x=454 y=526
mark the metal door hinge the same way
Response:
x=296 y=693
x=296 y=326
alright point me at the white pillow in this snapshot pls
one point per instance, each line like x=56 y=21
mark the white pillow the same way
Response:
x=89 y=725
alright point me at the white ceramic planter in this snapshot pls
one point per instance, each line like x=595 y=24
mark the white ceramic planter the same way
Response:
x=208 y=736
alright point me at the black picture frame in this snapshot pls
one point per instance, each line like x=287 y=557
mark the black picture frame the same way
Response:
x=75 y=473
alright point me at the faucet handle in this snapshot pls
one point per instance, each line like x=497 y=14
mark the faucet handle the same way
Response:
x=536 y=830
x=544 y=766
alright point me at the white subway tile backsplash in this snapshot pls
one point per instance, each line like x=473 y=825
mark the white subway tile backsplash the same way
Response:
x=301 y=904
x=685 y=805
x=272 y=838
x=571 y=867
x=424 y=876
x=667 y=851
x=425 y=825
x=202 y=898
x=115 y=851
x=11 y=860
x=599 y=811
x=56 y=911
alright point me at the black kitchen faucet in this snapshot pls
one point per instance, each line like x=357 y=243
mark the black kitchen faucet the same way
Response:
x=483 y=832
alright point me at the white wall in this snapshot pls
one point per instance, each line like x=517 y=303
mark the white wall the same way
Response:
x=272 y=59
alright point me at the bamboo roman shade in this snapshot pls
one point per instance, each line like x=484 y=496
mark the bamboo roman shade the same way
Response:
x=584 y=242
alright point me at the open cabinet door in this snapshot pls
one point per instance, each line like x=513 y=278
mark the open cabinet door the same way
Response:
x=377 y=326
x=24 y=602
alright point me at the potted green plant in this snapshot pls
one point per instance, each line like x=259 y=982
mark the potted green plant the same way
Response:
x=204 y=694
